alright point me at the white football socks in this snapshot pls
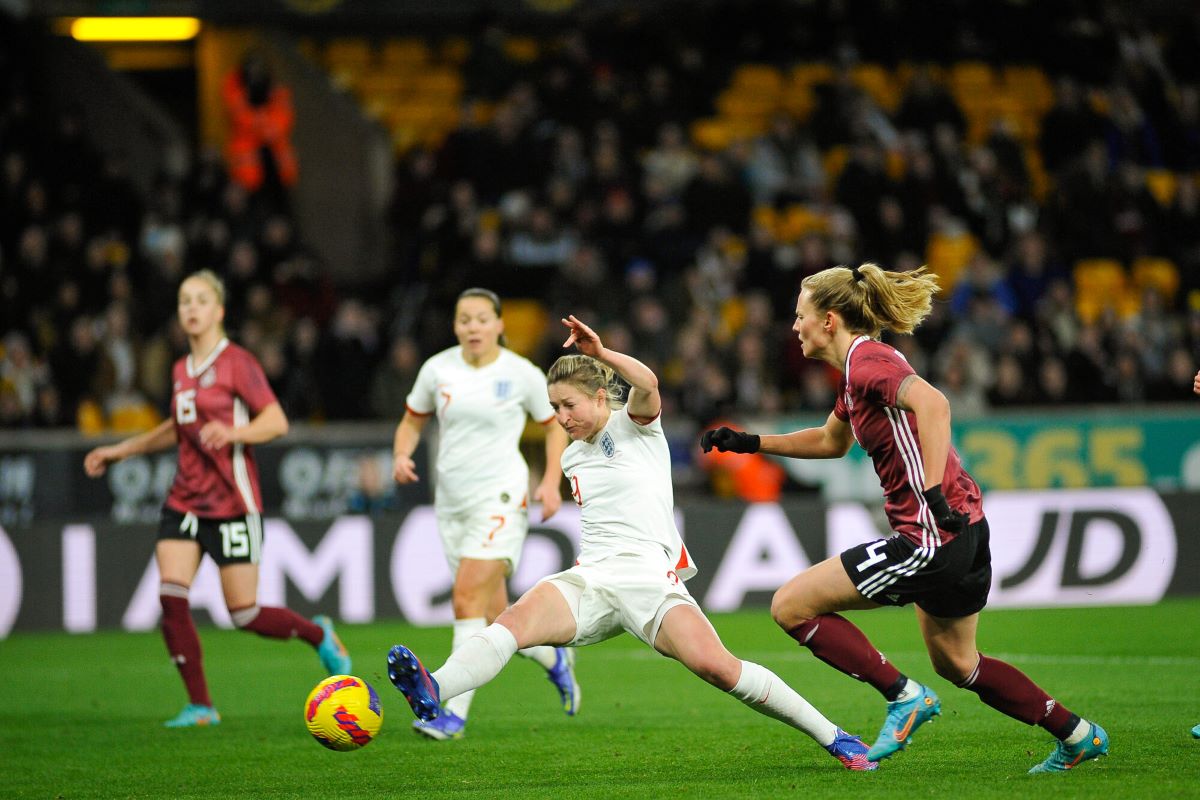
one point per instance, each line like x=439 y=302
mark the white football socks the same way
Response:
x=542 y=654
x=911 y=689
x=464 y=629
x=477 y=661
x=1079 y=734
x=766 y=693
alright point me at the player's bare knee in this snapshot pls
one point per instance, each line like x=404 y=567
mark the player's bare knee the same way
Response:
x=955 y=670
x=786 y=611
x=512 y=621
x=719 y=669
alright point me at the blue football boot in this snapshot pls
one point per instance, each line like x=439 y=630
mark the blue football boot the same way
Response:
x=851 y=751
x=1069 y=756
x=562 y=675
x=418 y=687
x=194 y=715
x=334 y=658
x=1196 y=732
x=447 y=725
x=903 y=719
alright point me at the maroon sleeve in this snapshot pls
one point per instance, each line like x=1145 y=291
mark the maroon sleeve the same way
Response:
x=878 y=373
x=250 y=383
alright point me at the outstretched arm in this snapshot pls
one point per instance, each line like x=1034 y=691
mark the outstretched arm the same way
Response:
x=408 y=434
x=644 y=400
x=831 y=440
x=160 y=437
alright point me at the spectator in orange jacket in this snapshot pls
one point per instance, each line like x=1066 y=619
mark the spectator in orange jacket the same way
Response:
x=756 y=479
x=261 y=117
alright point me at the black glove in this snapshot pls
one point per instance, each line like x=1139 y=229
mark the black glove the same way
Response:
x=947 y=518
x=727 y=440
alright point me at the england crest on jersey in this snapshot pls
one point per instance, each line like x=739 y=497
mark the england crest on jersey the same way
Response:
x=607 y=445
x=503 y=389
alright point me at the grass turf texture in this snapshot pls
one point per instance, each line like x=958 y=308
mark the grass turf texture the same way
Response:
x=81 y=716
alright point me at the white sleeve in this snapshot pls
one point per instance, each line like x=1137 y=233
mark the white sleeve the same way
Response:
x=536 y=397
x=652 y=428
x=421 y=400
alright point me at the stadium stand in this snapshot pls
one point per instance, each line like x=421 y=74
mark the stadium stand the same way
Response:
x=655 y=180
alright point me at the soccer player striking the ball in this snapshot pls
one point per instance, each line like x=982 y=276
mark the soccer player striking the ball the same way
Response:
x=220 y=406
x=939 y=557
x=482 y=393
x=631 y=566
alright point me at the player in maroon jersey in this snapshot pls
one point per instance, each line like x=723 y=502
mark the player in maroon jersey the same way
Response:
x=221 y=404
x=939 y=557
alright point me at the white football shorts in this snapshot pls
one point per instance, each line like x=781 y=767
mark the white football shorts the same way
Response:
x=492 y=532
x=623 y=592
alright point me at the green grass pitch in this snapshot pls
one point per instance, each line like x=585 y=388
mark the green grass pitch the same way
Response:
x=81 y=716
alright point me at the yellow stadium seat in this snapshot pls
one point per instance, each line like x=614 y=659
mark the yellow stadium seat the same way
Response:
x=799 y=101
x=1088 y=308
x=377 y=84
x=525 y=322
x=766 y=217
x=89 y=418
x=711 y=133
x=1030 y=84
x=133 y=418
x=1039 y=179
x=811 y=74
x=351 y=53
x=1099 y=277
x=522 y=49
x=947 y=255
x=877 y=82
x=799 y=221
x=736 y=105
x=408 y=53
x=972 y=76
x=455 y=50
x=1160 y=274
x=1162 y=183
x=758 y=80
x=833 y=162
x=446 y=84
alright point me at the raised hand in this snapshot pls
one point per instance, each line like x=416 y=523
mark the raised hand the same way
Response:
x=586 y=340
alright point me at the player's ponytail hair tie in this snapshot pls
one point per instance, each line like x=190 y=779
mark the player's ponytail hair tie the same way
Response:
x=857 y=275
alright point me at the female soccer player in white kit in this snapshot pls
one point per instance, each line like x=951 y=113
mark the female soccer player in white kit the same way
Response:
x=481 y=393
x=632 y=562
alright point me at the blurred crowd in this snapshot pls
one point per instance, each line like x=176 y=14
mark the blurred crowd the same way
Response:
x=582 y=187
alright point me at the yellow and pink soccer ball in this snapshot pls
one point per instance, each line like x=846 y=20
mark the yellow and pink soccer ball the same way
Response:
x=343 y=713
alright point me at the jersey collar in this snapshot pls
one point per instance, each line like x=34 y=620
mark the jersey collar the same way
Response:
x=193 y=371
x=862 y=338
